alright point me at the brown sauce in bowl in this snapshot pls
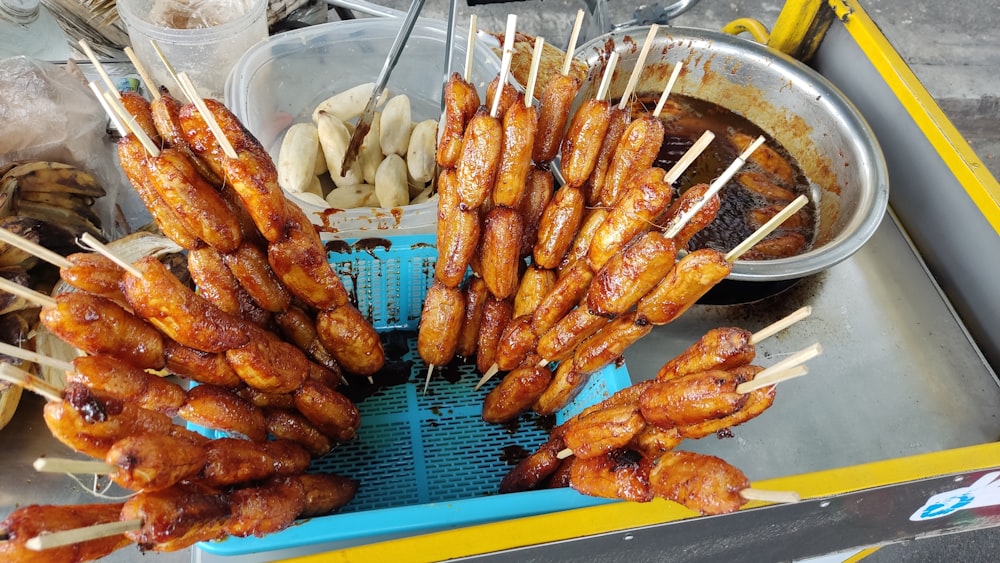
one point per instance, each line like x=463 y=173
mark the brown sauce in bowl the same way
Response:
x=764 y=185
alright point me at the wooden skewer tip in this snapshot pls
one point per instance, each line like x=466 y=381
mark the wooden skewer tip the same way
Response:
x=91 y=243
x=34 y=249
x=487 y=376
x=49 y=540
x=573 y=38
x=770 y=496
x=427 y=380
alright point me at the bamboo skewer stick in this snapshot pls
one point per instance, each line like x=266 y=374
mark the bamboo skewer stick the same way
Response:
x=130 y=124
x=780 y=325
x=771 y=379
x=35 y=357
x=779 y=371
x=766 y=228
x=427 y=380
x=508 y=54
x=609 y=71
x=536 y=58
x=199 y=103
x=143 y=73
x=688 y=157
x=573 y=38
x=119 y=126
x=34 y=249
x=49 y=540
x=100 y=68
x=97 y=246
x=716 y=186
x=167 y=65
x=640 y=62
x=31 y=295
x=470 y=48
x=64 y=465
x=30 y=382
x=785 y=497
x=666 y=91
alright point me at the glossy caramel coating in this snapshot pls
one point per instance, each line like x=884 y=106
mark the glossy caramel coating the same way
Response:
x=203 y=367
x=630 y=274
x=266 y=508
x=719 y=348
x=109 y=376
x=172 y=307
x=621 y=474
x=219 y=408
x=691 y=278
x=352 y=340
x=558 y=226
x=476 y=170
x=330 y=411
x=636 y=150
x=515 y=394
x=691 y=399
x=33 y=520
x=602 y=431
x=475 y=293
x=583 y=140
x=299 y=259
x=646 y=196
x=150 y=462
x=607 y=345
x=193 y=200
x=703 y=483
x=500 y=247
x=520 y=123
x=440 y=324
x=461 y=101
x=553 y=114
x=98 y=325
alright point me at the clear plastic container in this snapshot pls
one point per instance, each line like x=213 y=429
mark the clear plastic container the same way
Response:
x=280 y=81
x=203 y=39
x=28 y=28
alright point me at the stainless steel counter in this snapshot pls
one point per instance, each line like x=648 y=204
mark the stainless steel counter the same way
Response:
x=898 y=376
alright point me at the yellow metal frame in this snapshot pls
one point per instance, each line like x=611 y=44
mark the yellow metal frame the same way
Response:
x=797 y=31
x=560 y=526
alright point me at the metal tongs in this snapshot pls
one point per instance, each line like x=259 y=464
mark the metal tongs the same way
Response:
x=365 y=121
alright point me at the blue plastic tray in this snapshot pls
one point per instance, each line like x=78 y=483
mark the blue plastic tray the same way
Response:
x=425 y=462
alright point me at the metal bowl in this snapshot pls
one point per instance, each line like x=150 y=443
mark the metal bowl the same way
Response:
x=789 y=101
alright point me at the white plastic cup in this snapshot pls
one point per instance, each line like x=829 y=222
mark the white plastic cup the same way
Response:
x=206 y=53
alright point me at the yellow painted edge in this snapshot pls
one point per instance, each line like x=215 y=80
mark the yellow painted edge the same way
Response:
x=967 y=167
x=620 y=516
x=862 y=554
x=794 y=24
x=756 y=29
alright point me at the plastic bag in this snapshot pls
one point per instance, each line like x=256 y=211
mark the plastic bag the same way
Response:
x=49 y=114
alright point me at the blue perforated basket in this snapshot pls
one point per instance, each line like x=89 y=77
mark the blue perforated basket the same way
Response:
x=425 y=462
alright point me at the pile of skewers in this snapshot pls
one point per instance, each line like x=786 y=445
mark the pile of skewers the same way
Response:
x=623 y=447
x=265 y=338
x=573 y=275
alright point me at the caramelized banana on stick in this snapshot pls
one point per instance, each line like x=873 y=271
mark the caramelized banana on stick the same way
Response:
x=461 y=101
x=101 y=326
x=458 y=232
x=159 y=297
x=193 y=200
x=477 y=167
x=28 y=522
x=110 y=376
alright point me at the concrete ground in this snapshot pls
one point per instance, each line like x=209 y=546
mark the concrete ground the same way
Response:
x=952 y=47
